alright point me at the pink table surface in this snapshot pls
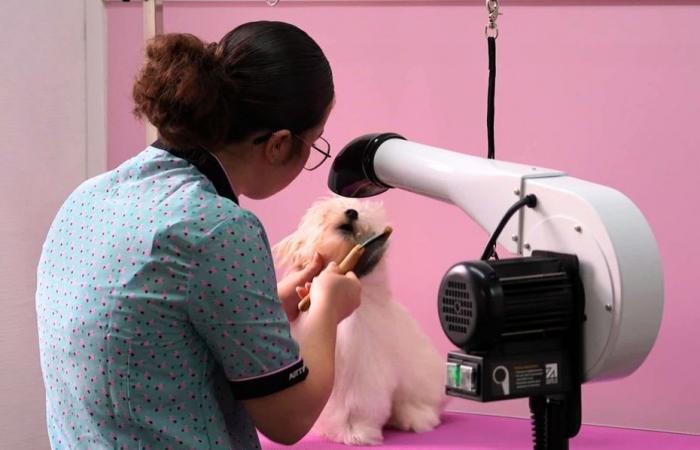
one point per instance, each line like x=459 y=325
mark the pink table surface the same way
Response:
x=479 y=432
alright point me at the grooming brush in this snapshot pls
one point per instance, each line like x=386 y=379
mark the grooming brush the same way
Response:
x=351 y=259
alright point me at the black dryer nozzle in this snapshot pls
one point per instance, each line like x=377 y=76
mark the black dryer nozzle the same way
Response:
x=352 y=173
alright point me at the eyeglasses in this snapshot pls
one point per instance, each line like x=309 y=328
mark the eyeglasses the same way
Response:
x=321 y=145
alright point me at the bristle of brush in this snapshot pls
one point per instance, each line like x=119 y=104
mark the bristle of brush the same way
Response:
x=379 y=237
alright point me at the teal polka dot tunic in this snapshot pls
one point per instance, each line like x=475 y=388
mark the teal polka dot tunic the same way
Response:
x=158 y=311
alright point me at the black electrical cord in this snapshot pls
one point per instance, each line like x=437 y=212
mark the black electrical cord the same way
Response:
x=490 y=112
x=538 y=418
x=529 y=200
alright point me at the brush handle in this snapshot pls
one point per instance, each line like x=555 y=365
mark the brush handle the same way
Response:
x=346 y=265
x=351 y=259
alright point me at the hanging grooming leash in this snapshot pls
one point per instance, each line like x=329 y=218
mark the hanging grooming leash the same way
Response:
x=491 y=32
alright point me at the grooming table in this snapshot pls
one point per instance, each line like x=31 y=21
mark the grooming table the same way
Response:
x=479 y=432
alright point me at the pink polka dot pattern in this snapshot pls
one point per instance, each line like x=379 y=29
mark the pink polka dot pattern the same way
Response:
x=153 y=294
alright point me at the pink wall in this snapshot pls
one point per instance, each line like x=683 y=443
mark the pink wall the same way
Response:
x=608 y=93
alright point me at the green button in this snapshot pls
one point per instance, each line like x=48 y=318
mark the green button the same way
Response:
x=453 y=375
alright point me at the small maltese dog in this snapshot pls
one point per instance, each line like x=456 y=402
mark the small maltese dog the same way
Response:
x=387 y=371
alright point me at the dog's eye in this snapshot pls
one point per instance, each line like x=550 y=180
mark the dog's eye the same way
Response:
x=346 y=227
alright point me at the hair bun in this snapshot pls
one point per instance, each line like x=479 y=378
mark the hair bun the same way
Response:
x=180 y=90
x=261 y=76
x=212 y=49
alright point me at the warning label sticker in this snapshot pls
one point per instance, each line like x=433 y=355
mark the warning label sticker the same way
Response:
x=529 y=376
x=539 y=375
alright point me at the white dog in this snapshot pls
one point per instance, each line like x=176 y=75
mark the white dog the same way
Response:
x=387 y=371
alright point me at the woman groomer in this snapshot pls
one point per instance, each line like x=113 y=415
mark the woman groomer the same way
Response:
x=160 y=320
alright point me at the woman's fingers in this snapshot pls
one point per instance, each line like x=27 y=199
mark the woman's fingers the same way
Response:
x=332 y=267
x=303 y=291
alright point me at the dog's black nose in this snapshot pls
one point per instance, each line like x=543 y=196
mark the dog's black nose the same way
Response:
x=351 y=214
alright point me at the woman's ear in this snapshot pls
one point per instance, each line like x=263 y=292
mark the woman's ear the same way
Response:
x=279 y=147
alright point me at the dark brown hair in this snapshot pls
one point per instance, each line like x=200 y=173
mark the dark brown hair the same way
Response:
x=262 y=76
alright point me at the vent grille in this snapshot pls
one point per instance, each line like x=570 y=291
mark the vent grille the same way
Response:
x=537 y=303
x=457 y=308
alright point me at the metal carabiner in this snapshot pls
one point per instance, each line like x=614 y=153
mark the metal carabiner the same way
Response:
x=491 y=29
x=272 y=2
x=492 y=7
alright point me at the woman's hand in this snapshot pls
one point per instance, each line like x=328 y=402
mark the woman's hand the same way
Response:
x=288 y=288
x=334 y=293
x=332 y=286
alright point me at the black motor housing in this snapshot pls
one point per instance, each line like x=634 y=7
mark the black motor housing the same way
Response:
x=518 y=324
x=483 y=303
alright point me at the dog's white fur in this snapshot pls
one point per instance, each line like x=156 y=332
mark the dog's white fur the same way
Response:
x=387 y=373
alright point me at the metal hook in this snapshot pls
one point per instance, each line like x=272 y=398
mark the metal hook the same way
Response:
x=491 y=29
x=492 y=7
x=272 y=2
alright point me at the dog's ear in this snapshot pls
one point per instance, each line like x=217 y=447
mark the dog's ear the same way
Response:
x=287 y=252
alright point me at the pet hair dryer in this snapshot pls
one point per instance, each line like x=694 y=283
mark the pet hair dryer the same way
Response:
x=583 y=301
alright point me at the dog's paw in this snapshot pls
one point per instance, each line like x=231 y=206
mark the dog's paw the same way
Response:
x=361 y=434
x=418 y=418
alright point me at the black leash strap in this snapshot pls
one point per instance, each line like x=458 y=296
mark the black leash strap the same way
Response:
x=491 y=96
x=491 y=32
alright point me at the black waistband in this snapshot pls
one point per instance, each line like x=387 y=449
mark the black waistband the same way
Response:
x=207 y=164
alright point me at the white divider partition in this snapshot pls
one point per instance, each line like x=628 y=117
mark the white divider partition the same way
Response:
x=52 y=128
